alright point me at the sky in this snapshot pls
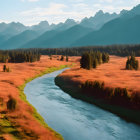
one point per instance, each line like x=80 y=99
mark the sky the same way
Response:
x=30 y=12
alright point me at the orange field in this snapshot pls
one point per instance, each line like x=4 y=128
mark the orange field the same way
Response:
x=112 y=73
x=22 y=119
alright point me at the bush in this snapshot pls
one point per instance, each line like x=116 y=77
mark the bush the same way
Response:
x=98 y=89
x=132 y=63
x=67 y=58
x=95 y=88
x=105 y=57
x=11 y=104
x=62 y=58
x=135 y=100
x=4 y=68
x=50 y=57
x=120 y=92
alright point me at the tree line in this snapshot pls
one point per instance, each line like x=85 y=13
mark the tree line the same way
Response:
x=119 y=50
x=19 y=56
x=92 y=59
x=31 y=55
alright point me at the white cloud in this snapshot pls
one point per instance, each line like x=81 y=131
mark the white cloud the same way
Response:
x=30 y=0
x=108 y=1
x=33 y=0
x=5 y=21
x=57 y=12
x=75 y=9
x=53 y=9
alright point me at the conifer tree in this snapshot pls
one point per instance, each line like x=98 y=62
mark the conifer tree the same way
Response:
x=86 y=61
x=4 y=68
x=132 y=63
x=67 y=58
x=62 y=58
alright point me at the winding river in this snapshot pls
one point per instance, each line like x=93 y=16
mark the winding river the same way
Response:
x=75 y=119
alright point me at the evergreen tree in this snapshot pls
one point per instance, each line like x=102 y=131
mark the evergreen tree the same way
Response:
x=92 y=59
x=11 y=104
x=67 y=58
x=4 y=68
x=50 y=57
x=86 y=61
x=105 y=58
x=95 y=62
x=62 y=58
x=132 y=63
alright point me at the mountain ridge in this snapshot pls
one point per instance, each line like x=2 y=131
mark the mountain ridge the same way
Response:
x=101 y=29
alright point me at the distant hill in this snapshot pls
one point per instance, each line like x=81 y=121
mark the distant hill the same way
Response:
x=101 y=29
x=18 y=40
x=3 y=26
x=58 y=38
x=12 y=28
x=45 y=26
x=122 y=30
x=41 y=40
x=2 y=38
x=41 y=27
x=118 y=31
x=98 y=20
x=66 y=25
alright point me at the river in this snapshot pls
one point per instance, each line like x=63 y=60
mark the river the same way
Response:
x=75 y=119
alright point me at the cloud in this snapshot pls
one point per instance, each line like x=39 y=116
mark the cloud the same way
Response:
x=5 y=21
x=108 y=1
x=30 y=0
x=75 y=9
x=53 y=13
x=53 y=9
x=33 y=0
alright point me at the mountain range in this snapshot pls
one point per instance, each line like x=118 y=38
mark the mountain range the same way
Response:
x=101 y=29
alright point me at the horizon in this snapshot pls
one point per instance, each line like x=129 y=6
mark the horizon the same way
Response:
x=32 y=12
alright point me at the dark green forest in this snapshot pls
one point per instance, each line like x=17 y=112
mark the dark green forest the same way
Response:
x=119 y=50
x=91 y=60
x=19 y=56
x=31 y=55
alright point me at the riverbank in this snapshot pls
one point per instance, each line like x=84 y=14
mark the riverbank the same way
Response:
x=114 y=76
x=25 y=122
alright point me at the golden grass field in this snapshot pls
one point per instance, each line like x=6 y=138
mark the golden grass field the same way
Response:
x=113 y=74
x=21 y=123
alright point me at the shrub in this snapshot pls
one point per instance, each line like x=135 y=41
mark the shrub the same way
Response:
x=98 y=89
x=135 y=100
x=8 y=69
x=95 y=88
x=62 y=58
x=11 y=104
x=50 y=57
x=105 y=57
x=120 y=92
x=4 y=68
x=132 y=63
x=67 y=58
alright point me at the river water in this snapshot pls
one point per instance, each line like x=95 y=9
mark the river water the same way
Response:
x=75 y=119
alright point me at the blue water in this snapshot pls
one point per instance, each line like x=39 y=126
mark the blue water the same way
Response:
x=75 y=119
